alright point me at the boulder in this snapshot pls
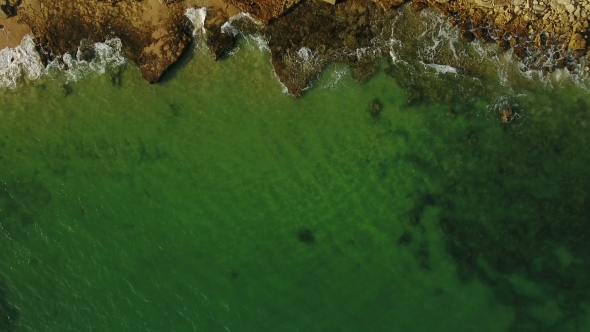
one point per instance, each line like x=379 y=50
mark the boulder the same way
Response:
x=7 y=11
x=577 y=42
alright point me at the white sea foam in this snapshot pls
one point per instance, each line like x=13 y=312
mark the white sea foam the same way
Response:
x=257 y=41
x=335 y=78
x=197 y=16
x=441 y=69
x=24 y=62
x=107 y=55
x=23 y=59
x=228 y=28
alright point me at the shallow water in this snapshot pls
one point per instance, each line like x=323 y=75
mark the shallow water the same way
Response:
x=215 y=202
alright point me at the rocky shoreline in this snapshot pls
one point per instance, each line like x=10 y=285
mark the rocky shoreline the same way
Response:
x=303 y=35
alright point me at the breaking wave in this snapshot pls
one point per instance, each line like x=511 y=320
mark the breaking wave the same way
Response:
x=23 y=62
x=423 y=43
x=18 y=62
x=197 y=16
x=105 y=56
x=253 y=40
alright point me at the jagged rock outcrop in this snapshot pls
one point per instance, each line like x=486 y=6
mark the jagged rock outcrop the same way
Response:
x=153 y=36
x=315 y=33
x=155 y=32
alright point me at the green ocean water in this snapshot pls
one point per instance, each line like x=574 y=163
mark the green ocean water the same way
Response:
x=214 y=202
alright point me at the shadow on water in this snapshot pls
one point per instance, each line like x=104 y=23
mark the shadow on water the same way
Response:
x=187 y=56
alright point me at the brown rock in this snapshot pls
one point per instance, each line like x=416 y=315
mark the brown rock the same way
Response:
x=313 y=34
x=153 y=43
x=577 y=42
x=519 y=51
x=218 y=42
x=418 y=5
x=503 y=45
x=467 y=36
x=506 y=114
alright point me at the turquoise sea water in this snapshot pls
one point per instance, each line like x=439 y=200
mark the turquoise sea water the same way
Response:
x=215 y=202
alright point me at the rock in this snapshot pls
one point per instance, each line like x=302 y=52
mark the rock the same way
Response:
x=218 y=42
x=503 y=45
x=503 y=18
x=332 y=2
x=577 y=42
x=152 y=44
x=375 y=108
x=66 y=90
x=467 y=36
x=506 y=114
x=8 y=11
x=519 y=51
x=418 y=5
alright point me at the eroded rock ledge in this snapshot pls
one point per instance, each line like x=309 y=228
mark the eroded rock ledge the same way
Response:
x=154 y=33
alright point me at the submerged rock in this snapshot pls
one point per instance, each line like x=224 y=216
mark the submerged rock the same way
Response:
x=306 y=236
x=375 y=108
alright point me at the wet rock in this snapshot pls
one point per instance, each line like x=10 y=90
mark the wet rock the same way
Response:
x=7 y=11
x=506 y=114
x=375 y=108
x=519 y=52
x=218 y=42
x=413 y=97
x=577 y=42
x=66 y=90
x=503 y=45
x=451 y=113
x=315 y=33
x=467 y=36
x=418 y=5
